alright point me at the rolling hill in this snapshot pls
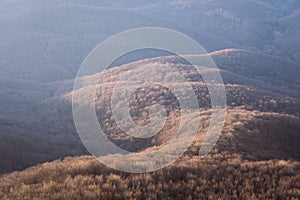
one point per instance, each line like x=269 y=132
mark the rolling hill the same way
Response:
x=48 y=132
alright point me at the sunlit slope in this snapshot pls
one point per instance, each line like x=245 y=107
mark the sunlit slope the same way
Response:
x=41 y=128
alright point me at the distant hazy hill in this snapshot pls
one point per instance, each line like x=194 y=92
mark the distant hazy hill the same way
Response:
x=47 y=41
x=266 y=25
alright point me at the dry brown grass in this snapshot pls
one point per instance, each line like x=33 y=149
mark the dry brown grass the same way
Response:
x=221 y=177
x=233 y=170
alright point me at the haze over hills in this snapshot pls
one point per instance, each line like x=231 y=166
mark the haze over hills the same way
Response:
x=51 y=39
x=47 y=41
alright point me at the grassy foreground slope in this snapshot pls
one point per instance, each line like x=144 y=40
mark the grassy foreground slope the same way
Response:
x=257 y=157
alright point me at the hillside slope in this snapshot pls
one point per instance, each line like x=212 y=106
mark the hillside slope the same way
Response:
x=48 y=132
